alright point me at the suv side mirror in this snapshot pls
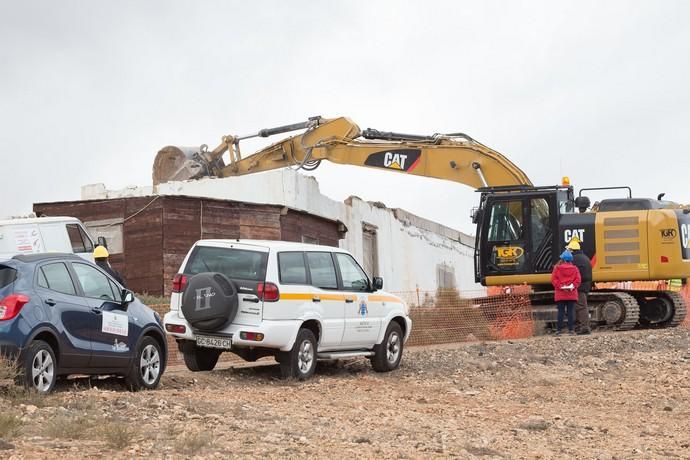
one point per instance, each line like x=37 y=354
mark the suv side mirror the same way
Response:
x=377 y=284
x=127 y=296
x=102 y=242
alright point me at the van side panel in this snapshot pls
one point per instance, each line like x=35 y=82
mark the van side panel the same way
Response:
x=17 y=237
x=20 y=239
x=55 y=237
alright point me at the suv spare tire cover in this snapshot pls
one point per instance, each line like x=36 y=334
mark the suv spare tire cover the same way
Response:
x=209 y=301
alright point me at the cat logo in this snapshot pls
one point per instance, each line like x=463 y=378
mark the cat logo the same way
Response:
x=399 y=159
x=394 y=160
x=577 y=234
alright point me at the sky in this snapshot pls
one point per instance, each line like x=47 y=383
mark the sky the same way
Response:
x=597 y=91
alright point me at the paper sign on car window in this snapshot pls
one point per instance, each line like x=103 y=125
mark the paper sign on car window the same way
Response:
x=114 y=323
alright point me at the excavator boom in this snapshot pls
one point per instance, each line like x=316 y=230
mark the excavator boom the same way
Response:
x=454 y=157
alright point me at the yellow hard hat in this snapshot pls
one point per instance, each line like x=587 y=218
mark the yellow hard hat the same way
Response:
x=573 y=245
x=100 y=253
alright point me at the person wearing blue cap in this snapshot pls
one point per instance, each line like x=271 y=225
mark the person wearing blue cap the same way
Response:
x=565 y=279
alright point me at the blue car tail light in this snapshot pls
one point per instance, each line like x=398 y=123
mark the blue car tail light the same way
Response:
x=11 y=305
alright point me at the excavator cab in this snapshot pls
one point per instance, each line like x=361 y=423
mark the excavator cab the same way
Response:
x=517 y=232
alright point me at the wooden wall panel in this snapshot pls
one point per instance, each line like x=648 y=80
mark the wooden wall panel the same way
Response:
x=89 y=210
x=143 y=245
x=181 y=229
x=259 y=233
x=220 y=219
x=158 y=238
x=295 y=225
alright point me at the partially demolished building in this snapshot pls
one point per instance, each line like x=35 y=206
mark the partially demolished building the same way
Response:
x=150 y=230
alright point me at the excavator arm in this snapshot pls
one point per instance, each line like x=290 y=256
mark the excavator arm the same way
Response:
x=453 y=157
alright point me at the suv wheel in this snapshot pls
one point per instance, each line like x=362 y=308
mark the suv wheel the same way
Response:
x=200 y=359
x=300 y=362
x=40 y=367
x=388 y=353
x=147 y=367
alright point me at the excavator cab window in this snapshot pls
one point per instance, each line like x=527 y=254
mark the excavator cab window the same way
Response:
x=541 y=234
x=506 y=221
x=505 y=235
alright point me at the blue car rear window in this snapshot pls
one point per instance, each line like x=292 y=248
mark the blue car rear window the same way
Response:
x=7 y=275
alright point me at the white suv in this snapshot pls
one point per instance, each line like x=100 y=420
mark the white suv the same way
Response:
x=297 y=302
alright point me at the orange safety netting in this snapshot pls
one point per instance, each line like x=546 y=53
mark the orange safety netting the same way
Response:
x=446 y=316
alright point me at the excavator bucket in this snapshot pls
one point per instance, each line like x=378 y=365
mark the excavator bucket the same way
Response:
x=174 y=163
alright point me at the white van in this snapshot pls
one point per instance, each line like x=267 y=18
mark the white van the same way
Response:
x=44 y=234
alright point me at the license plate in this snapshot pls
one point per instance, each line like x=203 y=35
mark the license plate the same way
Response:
x=224 y=343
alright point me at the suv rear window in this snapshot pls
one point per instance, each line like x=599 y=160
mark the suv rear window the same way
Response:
x=7 y=276
x=233 y=263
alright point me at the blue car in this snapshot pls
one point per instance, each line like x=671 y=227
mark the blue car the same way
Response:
x=61 y=315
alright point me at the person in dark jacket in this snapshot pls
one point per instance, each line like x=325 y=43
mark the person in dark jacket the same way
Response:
x=100 y=256
x=584 y=265
x=565 y=279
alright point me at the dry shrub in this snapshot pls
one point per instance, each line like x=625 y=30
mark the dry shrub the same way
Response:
x=11 y=388
x=116 y=435
x=83 y=403
x=9 y=371
x=10 y=424
x=151 y=300
x=69 y=427
x=192 y=442
x=483 y=451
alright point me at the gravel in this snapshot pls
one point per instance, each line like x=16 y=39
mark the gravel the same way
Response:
x=610 y=395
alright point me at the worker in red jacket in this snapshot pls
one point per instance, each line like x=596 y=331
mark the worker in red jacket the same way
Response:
x=565 y=278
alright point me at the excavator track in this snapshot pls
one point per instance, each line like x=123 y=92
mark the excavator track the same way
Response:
x=617 y=310
x=614 y=310
x=680 y=309
x=620 y=310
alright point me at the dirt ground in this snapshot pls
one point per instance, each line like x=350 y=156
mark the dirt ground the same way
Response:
x=608 y=395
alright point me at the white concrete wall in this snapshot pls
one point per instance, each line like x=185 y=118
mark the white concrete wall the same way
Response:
x=407 y=254
x=409 y=247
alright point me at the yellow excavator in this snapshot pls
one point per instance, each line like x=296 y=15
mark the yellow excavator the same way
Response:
x=521 y=228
